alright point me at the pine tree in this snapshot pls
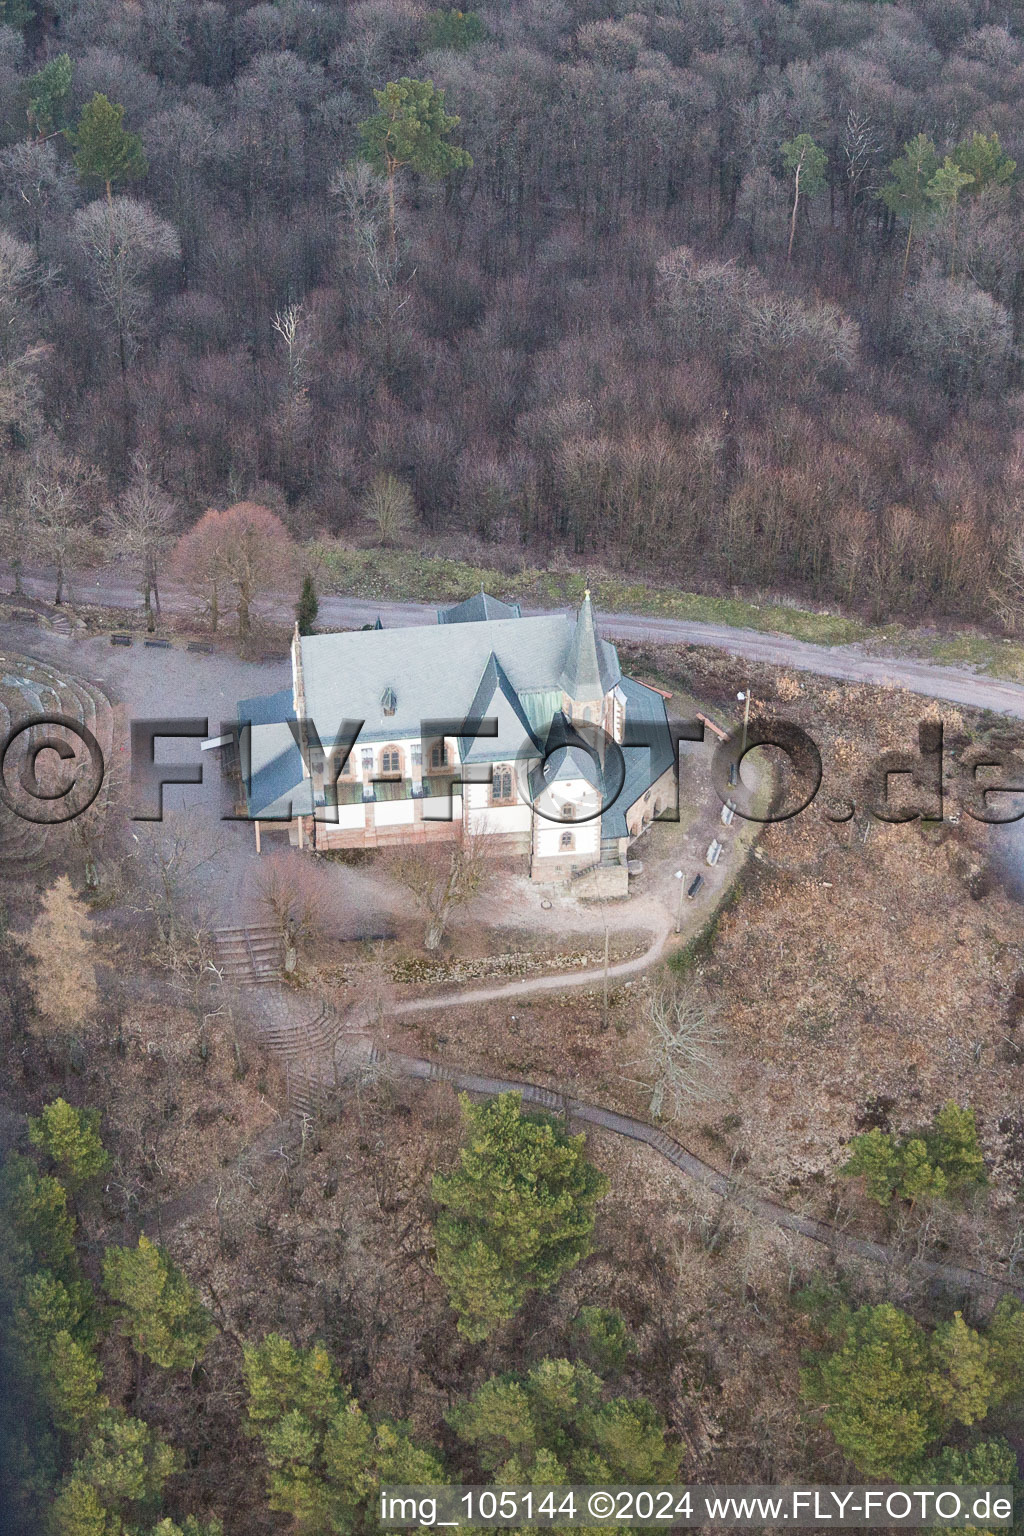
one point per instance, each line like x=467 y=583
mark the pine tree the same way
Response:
x=1005 y=1334
x=325 y=1456
x=454 y=29
x=554 y=1422
x=515 y=1215
x=874 y=1389
x=410 y=129
x=905 y=194
x=962 y=1382
x=48 y=92
x=71 y=1139
x=808 y=163
x=983 y=158
x=34 y=1213
x=104 y=149
x=161 y=1313
x=953 y=1146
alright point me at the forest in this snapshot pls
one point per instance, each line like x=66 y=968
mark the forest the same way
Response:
x=730 y=292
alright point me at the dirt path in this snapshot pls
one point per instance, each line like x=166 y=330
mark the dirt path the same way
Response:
x=958 y=685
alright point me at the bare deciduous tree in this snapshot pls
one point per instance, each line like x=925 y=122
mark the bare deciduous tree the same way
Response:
x=1007 y=593
x=389 y=506
x=246 y=548
x=122 y=241
x=141 y=532
x=682 y=1037
x=168 y=859
x=60 y=498
x=294 y=894
x=442 y=876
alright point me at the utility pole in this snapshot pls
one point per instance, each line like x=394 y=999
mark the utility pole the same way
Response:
x=679 y=906
x=605 y=1025
x=744 y=699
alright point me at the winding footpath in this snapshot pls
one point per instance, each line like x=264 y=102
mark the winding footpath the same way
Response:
x=953 y=1276
x=354 y=1045
x=356 y=1052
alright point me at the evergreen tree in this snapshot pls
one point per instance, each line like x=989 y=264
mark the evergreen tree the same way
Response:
x=48 y=92
x=602 y=1338
x=554 y=1424
x=905 y=194
x=953 y=1147
x=983 y=159
x=71 y=1139
x=308 y=606
x=326 y=1457
x=515 y=1215
x=160 y=1309
x=944 y=189
x=454 y=29
x=807 y=162
x=410 y=129
x=1005 y=1334
x=890 y=1390
x=875 y=1394
x=53 y=1330
x=15 y=14
x=104 y=149
x=34 y=1213
x=961 y=1382
x=944 y=1160
x=116 y=1481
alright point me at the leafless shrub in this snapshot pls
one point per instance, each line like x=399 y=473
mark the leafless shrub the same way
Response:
x=682 y=1038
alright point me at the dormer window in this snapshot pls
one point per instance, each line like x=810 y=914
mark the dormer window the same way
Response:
x=388 y=701
x=568 y=812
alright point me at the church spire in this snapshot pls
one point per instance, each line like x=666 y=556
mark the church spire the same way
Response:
x=587 y=675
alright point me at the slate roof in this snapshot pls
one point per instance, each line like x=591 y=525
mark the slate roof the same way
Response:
x=496 y=699
x=500 y=668
x=645 y=717
x=572 y=763
x=436 y=671
x=272 y=763
x=478 y=609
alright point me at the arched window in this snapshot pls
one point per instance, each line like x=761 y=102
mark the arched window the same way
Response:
x=568 y=842
x=391 y=760
x=501 y=785
x=439 y=755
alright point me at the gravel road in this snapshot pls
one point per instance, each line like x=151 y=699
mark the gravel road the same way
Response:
x=958 y=685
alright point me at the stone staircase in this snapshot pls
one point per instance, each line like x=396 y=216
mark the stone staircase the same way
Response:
x=251 y=956
x=304 y=1038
